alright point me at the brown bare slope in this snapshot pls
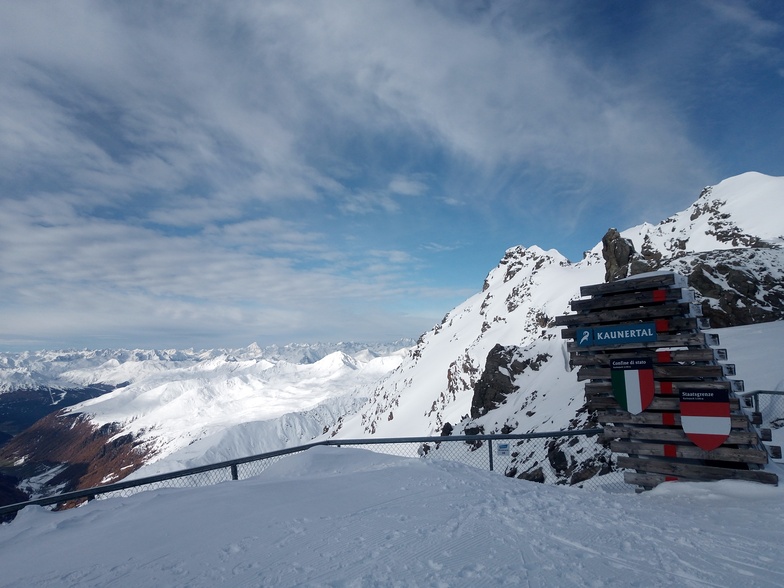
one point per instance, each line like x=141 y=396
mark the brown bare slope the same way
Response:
x=92 y=455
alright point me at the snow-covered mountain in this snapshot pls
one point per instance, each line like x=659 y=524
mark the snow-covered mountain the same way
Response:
x=496 y=363
x=70 y=369
x=727 y=242
x=179 y=405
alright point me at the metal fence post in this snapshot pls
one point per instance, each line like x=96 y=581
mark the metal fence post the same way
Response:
x=490 y=449
x=234 y=474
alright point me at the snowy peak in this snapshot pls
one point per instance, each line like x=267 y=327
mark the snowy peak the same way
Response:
x=529 y=260
x=77 y=368
x=749 y=203
x=736 y=213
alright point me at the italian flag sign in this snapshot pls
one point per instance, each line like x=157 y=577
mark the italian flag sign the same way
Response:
x=705 y=416
x=632 y=383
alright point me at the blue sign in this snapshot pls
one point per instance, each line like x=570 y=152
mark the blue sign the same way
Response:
x=616 y=334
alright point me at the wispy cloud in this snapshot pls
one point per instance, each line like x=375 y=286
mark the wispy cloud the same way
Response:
x=213 y=170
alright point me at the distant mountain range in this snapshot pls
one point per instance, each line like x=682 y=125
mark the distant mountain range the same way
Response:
x=495 y=363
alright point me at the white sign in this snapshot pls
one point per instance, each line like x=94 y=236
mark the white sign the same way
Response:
x=502 y=448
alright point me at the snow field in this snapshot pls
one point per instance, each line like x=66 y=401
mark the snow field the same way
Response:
x=348 y=517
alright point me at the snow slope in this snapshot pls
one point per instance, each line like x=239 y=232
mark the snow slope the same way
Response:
x=347 y=517
x=516 y=307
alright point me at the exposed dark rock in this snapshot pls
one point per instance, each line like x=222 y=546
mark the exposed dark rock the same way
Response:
x=588 y=470
x=618 y=253
x=557 y=458
x=497 y=380
x=533 y=475
x=734 y=286
x=474 y=430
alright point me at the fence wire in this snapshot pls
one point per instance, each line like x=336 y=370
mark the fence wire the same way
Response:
x=766 y=410
x=563 y=458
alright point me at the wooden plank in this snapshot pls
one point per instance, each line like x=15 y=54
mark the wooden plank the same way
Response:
x=652 y=434
x=739 y=421
x=661 y=372
x=669 y=325
x=657 y=296
x=706 y=355
x=629 y=314
x=662 y=403
x=662 y=341
x=634 y=283
x=664 y=388
x=608 y=402
x=739 y=455
x=695 y=472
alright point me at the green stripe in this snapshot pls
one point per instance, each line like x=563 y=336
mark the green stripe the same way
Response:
x=619 y=387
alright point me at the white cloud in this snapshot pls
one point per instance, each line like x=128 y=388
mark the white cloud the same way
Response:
x=205 y=166
x=407 y=186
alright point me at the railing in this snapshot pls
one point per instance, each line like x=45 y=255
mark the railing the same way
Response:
x=501 y=453
x=767 y=415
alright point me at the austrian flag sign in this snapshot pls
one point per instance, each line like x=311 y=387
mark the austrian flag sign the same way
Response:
x=705 y=417
x=632 y=383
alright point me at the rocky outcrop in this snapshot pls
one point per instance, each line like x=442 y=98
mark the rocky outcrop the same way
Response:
x=734 y=286
x=618 y=254
x=731 y=293
x=503 y=365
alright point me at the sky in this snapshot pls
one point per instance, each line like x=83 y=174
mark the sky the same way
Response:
x=203 y=174
x=349 y=517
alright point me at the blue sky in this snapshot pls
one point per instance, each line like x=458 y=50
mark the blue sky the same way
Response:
x=209 y=174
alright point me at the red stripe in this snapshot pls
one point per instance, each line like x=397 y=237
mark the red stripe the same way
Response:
x=670 y=451
x=706 y=442
x=668 y=418
x=659 y=295
x=647 y=387
x=665 y=387
x=664 y=357
x=662 y=325
x=709 y=409
x=670 y=479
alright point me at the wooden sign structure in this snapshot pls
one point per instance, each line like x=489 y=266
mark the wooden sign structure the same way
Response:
x=657 y=384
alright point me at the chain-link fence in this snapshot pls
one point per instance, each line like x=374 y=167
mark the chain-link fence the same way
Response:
x=574 y=458
x=766 y=408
